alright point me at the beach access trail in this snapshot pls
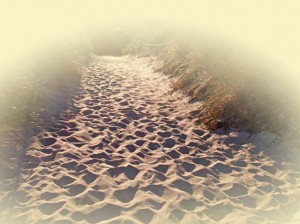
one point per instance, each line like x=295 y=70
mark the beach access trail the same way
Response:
x=129 y=151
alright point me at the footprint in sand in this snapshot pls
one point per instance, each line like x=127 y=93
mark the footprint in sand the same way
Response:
x=47 y=141
x=129 y=153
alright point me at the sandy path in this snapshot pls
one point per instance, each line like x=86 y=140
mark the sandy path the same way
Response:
x=132 y=154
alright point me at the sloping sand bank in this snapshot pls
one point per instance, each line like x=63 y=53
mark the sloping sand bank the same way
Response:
x=133 y=154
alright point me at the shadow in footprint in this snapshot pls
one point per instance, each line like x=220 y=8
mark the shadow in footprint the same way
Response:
x=156 y=189
x=155 y=204
x=162 y=168
x=48 y=196
x=70 y=165
x=64 y=181
x=183 y=186
x=89 y=177
x=126 y=195
x=98 y=195
x=169 y=143
x=268 y=179
x=184 y=150
x=177 y=214
x=150 y=129
x=47 y=141
x=188 y=204
x=140 y=134
x=204 y=173
x=130 y=171
x=222 y=168
x=144 y=215
x=236 y=190
x=73 y=140
x=202 y=161
x=76 y=189
x=114 y=163
x=165 y=134
x=101 y=155
x=50 y=208
x=131 y=148
x=22 y=197
x=153 y=145
x=80 y=168
x=107 y=212
x=239 y=163
x=189 y=167
x=140 y=142
x=218 y=212
x=64 y=133
x=198 y=132
x=174 y=154
x=87 y=112
x=47 y=151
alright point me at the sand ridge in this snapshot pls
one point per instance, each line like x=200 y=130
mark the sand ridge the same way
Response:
x=132 y=153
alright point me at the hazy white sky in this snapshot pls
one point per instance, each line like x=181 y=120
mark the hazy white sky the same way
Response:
x=270 y=28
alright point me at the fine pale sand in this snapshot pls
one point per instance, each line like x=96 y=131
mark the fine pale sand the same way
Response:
x=130 y=152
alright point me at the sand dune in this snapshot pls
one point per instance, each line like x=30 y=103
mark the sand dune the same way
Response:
x=132 y=153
